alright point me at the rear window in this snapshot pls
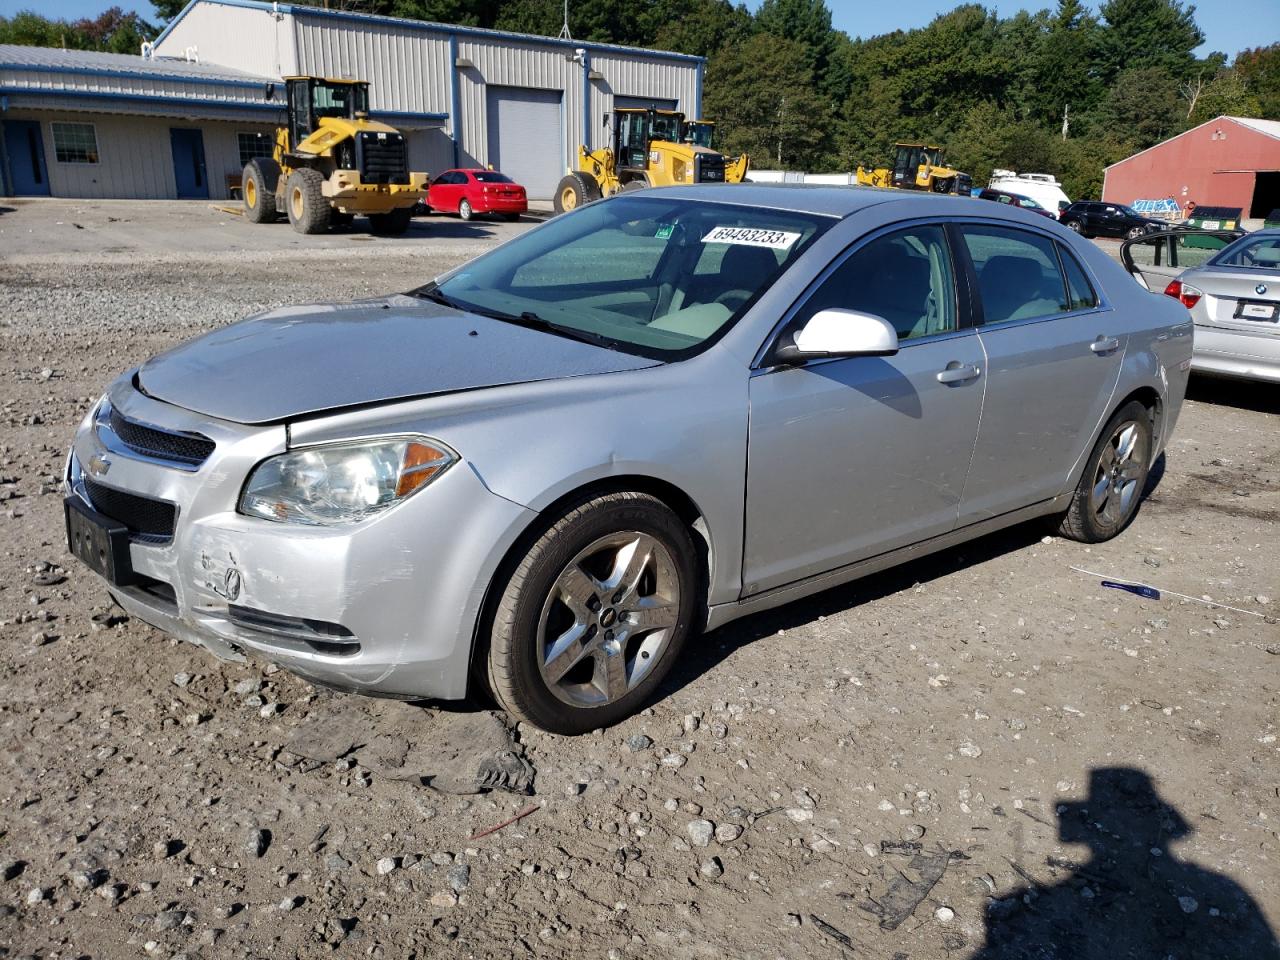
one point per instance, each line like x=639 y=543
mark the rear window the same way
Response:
x=1082 y=296
x=492 y=176
x=1018 y=273
x=1259 y=252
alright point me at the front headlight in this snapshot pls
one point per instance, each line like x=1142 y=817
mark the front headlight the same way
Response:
x=343 y=482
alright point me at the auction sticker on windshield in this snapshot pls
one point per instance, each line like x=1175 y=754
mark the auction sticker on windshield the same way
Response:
x=752 y=237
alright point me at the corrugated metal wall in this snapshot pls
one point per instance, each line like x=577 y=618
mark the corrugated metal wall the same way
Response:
x=136 y=156
x=627 y=75
x=256 y=41
x=407 y=71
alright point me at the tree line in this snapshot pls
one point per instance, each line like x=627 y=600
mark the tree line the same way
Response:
x=1063 y=91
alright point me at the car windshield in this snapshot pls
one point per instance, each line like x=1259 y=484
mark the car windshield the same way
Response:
x=661 y=277
x=492 y=176
x=1256 y=252
x=1128 y=211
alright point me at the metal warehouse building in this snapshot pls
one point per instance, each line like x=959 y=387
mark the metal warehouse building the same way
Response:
x=1227 y=162
x=183 y=121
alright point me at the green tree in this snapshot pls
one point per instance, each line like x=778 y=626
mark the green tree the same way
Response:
x=761 y=94
x=1142 y=107
x=1259 y=69
x=808 y=24
x=700 y=27
x=1226 y=94
x=113 y=31
x=1148 y=33
x=1064 y=65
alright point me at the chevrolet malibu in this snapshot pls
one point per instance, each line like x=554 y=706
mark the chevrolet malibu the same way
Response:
x=544 y=473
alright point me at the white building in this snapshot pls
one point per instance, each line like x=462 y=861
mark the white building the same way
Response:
x=182 y=122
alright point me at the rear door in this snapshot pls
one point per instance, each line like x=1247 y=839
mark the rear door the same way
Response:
x=1157 y=258
x=856 y=456
x=1052 y=366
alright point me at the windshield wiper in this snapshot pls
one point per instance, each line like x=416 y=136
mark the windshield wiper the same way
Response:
x=432 y=292
x=533 y=321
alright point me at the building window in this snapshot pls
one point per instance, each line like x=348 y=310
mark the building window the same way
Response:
x=254 y=145
x=75 y=142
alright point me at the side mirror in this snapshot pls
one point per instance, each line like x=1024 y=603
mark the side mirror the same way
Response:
x=839 y=333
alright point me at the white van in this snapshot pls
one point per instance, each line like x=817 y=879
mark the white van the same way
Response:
x=1040 y=187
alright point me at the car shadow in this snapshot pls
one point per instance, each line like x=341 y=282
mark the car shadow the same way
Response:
x=4 y=210
x=1243 y=394
x=1132 y=897
x=704 y=653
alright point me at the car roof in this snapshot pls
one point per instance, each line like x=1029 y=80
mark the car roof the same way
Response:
x=832 y=201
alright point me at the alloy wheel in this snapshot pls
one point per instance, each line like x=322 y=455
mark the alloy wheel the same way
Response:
x=607 y=618
x=1119 y=476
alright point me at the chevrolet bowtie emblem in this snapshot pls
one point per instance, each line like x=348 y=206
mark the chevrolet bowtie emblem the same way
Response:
x=99 y=464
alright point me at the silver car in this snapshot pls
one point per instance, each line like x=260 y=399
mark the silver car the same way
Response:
x=546 y=471
x=1234 y=299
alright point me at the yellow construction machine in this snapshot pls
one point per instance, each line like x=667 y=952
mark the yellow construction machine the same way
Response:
x=701 y=133
x=646 y=150
x=332 y=163
x=918 y=166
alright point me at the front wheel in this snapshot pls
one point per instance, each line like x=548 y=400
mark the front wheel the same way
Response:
x=1111 y=486
x=594 y=614
x=574 y=190
x=305 y=202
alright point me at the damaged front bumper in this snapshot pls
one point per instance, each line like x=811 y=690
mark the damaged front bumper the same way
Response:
x=386 y=606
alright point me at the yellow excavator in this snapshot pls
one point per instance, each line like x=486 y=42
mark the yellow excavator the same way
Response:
x=646 y=150
x=918 y=166
x=332 y=163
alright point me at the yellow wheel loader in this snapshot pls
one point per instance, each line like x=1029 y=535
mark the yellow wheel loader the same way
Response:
x=701 y=133
x=645 y=151
x=918 y=166
x=332 y=163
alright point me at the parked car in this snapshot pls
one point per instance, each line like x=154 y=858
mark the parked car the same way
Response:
x=469 y=192
x=538 y=474
x=1015 y=200
x=1233 y=295
x=1093 y=218
x=1043 y=188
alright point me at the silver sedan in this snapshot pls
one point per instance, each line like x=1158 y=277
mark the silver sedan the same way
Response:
x=1234 y=299
x=545 y=472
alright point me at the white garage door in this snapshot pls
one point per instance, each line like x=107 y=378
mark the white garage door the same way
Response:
x=526 y=141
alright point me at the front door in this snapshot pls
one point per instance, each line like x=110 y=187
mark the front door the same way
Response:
x=25 y=147
x=853 y=457
x=188 y=164
x=1052 y=368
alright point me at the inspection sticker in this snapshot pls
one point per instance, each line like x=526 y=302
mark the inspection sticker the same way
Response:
x=752 y=237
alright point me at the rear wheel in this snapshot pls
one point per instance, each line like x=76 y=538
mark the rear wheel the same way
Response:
x=1076 y=226
x=1135 y=233
x=391 y=224
x=575 y=190
x=305 y=202
x=594 y=614
x=258 y=189
x=632 y=185
x=464 y=210
x=1111 y=486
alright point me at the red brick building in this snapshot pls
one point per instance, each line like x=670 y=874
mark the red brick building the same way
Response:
x=1227 y=162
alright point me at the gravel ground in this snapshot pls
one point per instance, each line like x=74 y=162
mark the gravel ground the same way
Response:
x=982 y=754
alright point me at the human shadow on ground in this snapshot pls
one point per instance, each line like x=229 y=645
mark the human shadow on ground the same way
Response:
x=1133 y=898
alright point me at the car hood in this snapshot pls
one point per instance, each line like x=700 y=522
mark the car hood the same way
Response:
x=296 y=361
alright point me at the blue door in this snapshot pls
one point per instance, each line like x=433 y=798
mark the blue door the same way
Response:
x=188 y=164
x=25 y=146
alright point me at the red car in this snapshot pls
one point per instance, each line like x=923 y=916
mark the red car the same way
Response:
x=468 y=192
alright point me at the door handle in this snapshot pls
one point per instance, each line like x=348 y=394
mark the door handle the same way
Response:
x=1104 y=345
x=957 y=372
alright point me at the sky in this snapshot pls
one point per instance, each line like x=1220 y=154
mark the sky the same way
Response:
x=1229 y=25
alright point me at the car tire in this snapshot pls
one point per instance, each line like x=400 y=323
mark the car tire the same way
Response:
x=566 y=649
x=392 y=223
x=465 y=211
x=1075 y=225
x=305 y=203
x=1135 y=233
x=1111 y=486
x=258 y=190
x=575 y=190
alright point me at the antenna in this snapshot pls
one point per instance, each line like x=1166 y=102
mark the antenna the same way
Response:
x=564 y=30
